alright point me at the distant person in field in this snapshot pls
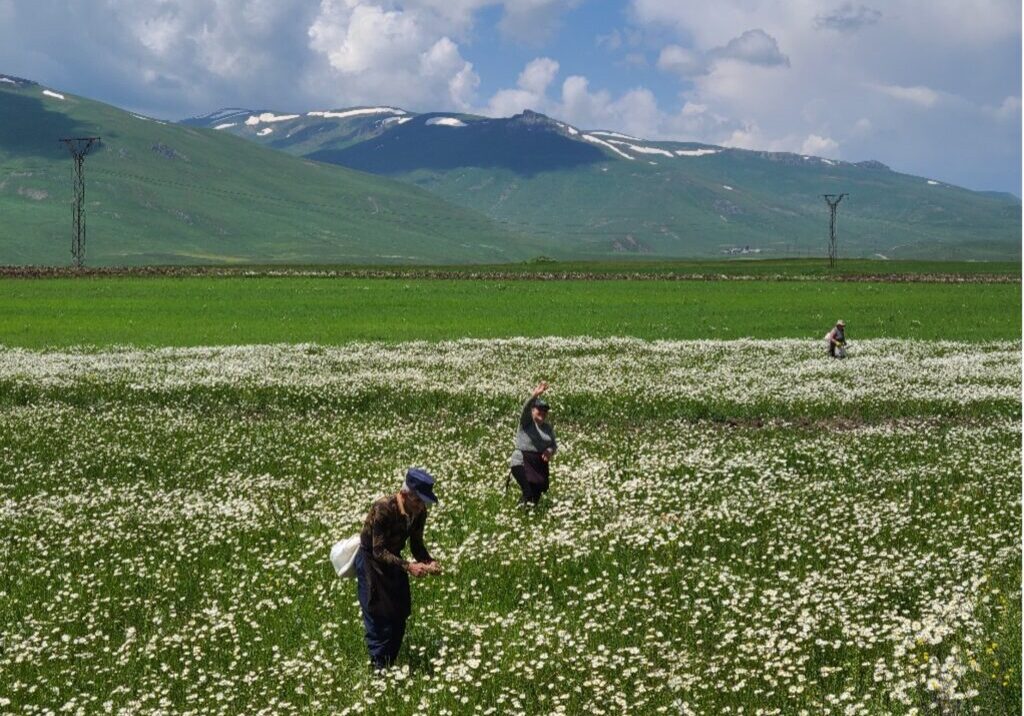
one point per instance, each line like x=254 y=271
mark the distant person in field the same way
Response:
x=836 y=339
x=382 y=574
x=535 y=446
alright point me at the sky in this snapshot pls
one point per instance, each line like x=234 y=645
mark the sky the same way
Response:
x=929 y=87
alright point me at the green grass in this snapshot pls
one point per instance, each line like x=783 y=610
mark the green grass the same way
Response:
x=171 y=555
x=220 y=311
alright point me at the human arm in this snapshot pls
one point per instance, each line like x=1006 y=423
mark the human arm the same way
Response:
x=416 y=546
x=424 y=564
x=551 y=449
x=527 y=417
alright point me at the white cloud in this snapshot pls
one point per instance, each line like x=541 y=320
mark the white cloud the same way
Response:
x=537 y=75
x=530 y=92
x=819 y=146
x=393 y=56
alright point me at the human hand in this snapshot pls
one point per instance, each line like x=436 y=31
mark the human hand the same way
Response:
x=417 y=569
x=432 y=567
x=539 y=390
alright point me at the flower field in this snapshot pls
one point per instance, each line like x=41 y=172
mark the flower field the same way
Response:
x=734 y=527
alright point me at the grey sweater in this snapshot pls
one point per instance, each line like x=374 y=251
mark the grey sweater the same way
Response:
x=530 y=436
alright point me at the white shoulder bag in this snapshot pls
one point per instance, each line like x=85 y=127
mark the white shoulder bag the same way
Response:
x=343 y=557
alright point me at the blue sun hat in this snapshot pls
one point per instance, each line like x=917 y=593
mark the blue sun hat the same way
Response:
x=422 y=483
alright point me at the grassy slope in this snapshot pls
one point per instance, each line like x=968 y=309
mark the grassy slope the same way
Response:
x=205 y=311
x=163 y=193
x=681 y=207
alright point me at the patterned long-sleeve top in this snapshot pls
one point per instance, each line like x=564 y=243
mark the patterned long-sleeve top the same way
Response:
x=532 y=437
x=837 y=335
x=387 y=527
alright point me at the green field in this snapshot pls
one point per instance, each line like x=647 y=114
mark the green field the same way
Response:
x=220 y=311
x=736 y=524
x=841 y=537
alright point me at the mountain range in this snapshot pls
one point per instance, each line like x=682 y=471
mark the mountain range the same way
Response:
x=166 y=193
x=383 y=184
x=595 y=193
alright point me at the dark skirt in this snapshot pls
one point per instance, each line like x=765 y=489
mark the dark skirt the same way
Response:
x=536 y=471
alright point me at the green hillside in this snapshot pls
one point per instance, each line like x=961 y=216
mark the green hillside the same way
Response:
x=595 y=194
x=165 y=193
x=736 y=201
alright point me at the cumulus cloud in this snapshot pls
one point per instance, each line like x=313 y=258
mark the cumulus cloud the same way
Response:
x=819 y=146
x=755 y=47
x=378 y=50
x=173 y=57
x=530 y=91
x=635 y=111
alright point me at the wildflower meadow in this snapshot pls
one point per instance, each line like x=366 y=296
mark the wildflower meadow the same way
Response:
x=734 y=527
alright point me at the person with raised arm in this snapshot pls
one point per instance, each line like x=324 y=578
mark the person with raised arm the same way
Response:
x=535 y=446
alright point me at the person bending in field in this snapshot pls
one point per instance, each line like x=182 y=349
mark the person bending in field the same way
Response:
x=836 y=339
x=382 y=574
x=535 y=446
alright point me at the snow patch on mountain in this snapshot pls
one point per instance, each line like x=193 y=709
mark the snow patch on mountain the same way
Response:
x=395 y=120
x=595 y=140
x=445 y=122
x=696 y=152
x=327 y=114
x=55 y=95
x=225 y=125
x=269 y=117
x=264 y=132
x=646 y=150
x=933 y=182
x=9 y=81
x=617 y=135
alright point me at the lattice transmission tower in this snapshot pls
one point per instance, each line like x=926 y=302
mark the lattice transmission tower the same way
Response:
x=79 y=147
x=833 y=204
